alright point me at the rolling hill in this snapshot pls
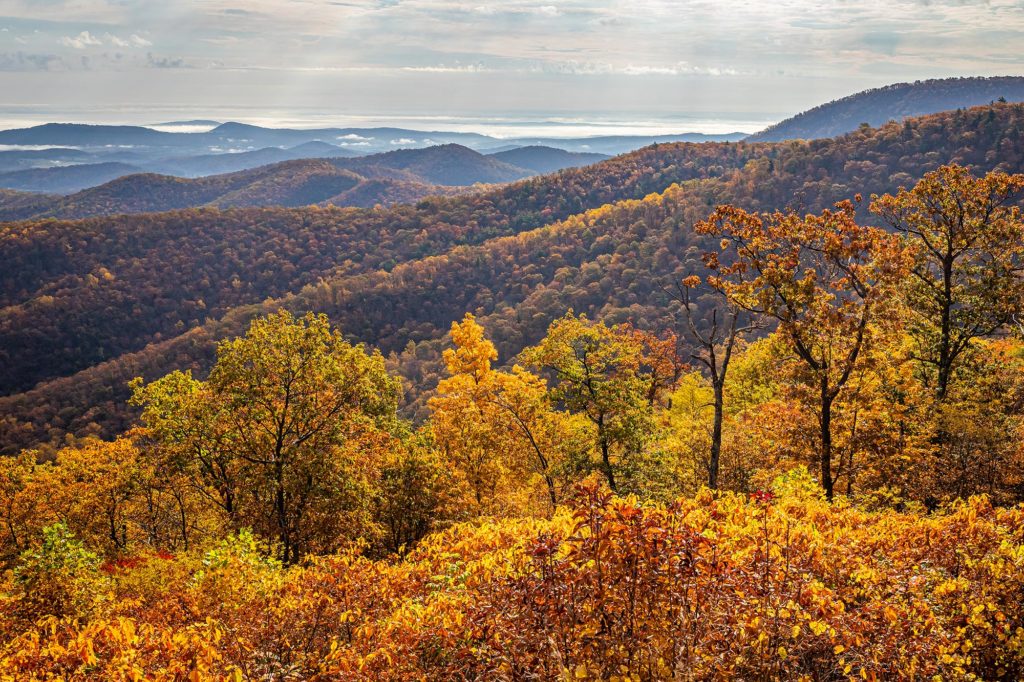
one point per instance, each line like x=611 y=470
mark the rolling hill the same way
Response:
x=893 y=103
x=65 y=179
x=153 y=271
x=448 y=164
x=393 y=177
x=541 y=159
x=214 y=164
x=515 y=256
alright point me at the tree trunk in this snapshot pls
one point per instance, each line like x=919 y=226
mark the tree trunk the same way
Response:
x=281 y=510
x=826 y=440
x=945 y=341
x=606 y=458
x=716 y=436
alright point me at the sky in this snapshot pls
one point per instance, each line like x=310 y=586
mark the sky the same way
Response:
x=682 y=64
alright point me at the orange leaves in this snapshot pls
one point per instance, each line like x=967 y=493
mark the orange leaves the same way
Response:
x=617 y=590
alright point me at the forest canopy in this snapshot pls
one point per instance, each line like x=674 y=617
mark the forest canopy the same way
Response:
x=812 y=470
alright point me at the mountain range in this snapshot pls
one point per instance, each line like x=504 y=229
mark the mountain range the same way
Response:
x=66 y=159
x=392 y=177
x=236 y=146
x=86 y=305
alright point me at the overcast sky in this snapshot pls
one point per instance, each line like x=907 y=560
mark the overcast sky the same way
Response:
x=648 y=58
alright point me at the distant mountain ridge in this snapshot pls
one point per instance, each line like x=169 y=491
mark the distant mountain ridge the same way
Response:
x=91 y=304
x=892 y=102
x=231 y=147
x=404 y=175
x=65 y=179
x=541 y=159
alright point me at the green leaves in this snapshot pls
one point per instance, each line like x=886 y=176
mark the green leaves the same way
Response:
x=613 y=376
x=277 y=433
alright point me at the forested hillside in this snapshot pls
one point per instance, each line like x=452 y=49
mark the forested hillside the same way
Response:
x=166 y=269
x=831 y=489
x=423 y=266
x=893 y=103
x=400 y=176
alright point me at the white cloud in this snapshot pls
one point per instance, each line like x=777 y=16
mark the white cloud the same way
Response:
x=441 y=68
x=403 y=140
x=355 y=138
x=679 y=69
x=131 y=41
x=81 y=41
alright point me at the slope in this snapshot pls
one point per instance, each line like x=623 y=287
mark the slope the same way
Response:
x=893 y=103
x=78 y=293
x=613 y=261
x=540 y=159
x=64 y=179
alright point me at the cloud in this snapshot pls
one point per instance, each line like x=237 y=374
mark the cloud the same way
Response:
x=403 y=140
x=577 y=68
x=81 y=41
x=680 y=69
x=354 y=138
x=441 y=68
x=580 y=55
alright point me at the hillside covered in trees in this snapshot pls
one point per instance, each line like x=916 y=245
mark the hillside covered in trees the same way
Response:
x=826 y=485
x=517 y=257
x=893 y=103
x=395 y=177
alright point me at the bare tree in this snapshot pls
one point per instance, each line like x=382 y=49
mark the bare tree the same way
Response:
x=715 y=340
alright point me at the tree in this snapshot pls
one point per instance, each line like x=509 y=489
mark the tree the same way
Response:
x=280 y=429
x=822 y=278
x=413 y=493
x=497 y=427
x=966 y=279
x=613 y=376
x=715 y=343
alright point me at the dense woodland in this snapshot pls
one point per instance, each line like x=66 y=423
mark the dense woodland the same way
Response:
x=396 y=278
x=810 y=470
x=699 y=412
x=196 y=264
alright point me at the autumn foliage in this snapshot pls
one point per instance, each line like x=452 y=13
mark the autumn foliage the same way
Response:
x=775 y=585
x=835 y=505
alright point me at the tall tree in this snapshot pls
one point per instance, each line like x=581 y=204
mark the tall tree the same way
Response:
x=613 y=376
x=822 y=278
x=283 y=418
x=967 y=276
x=497 y=427
x=715 y=339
